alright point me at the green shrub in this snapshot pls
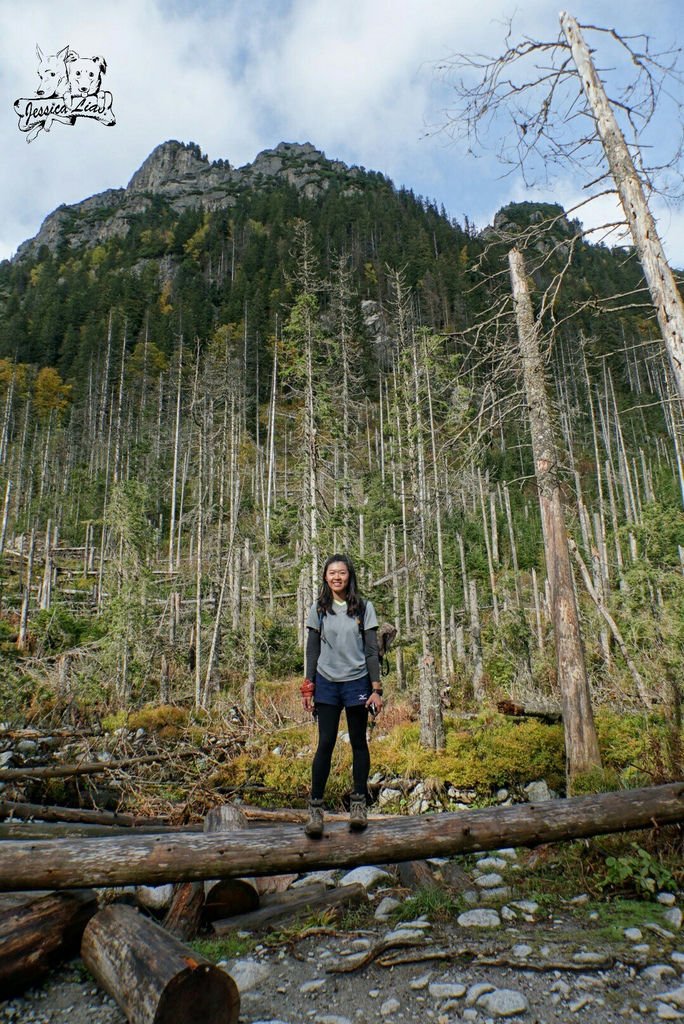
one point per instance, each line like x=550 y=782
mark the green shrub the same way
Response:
x=57 y=629
x=639 y=872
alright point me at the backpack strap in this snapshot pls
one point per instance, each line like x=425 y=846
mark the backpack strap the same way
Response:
x=361 y=620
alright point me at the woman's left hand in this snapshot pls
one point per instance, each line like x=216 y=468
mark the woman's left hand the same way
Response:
x=374 y=703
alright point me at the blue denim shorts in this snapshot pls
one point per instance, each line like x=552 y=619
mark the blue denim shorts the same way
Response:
x=342 y=695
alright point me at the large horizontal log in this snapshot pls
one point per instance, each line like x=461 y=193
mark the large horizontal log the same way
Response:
x=37 y=933
x=67 y=864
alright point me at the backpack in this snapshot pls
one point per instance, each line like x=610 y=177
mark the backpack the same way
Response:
x=387 y=634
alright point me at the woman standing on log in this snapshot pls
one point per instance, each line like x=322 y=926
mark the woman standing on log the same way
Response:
x=342 y=671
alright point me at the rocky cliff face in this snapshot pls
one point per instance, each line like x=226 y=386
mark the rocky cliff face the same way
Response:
x=184 y=177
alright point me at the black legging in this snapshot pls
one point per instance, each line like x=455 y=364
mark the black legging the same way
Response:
x=328 y=722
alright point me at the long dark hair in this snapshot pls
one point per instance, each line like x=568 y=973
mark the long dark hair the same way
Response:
x=355 y=603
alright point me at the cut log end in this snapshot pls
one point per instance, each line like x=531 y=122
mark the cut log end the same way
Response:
x=230 y=896
x=202 y=993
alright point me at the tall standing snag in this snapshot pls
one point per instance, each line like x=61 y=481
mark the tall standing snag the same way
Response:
x=549 y=108
x=581 y=742
x=659 y=277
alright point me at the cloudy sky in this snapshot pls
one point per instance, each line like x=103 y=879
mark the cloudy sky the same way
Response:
x=359 y=80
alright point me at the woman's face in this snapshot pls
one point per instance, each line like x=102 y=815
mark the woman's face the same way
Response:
x=337 y=578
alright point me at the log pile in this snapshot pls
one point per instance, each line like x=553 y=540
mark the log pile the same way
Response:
x=144 y=966
x=231 y=876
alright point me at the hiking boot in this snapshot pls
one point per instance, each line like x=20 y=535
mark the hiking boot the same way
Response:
x=358 y=812
x=314 y=823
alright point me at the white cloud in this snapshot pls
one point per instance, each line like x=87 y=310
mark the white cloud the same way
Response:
x=357 y=80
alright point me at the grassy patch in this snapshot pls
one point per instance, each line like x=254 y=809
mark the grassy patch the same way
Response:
x=356 y=917
x=616 y=915
x=484 y=754
x=228 y=947
x=432 y=901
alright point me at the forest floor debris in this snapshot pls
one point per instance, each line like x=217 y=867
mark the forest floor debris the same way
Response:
x=552 y=958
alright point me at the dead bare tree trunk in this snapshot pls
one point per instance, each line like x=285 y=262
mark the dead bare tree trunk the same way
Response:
x=476 y=645
x=176 y=447
x=581 y=742
x=249 y=691
x=5 y=514
x=659 y=277
x=26 y=599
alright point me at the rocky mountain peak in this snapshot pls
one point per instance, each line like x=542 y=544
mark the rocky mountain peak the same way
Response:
x=170 y=160
x=185 y=178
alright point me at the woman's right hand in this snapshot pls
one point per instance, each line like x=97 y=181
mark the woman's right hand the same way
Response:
x=307 y=690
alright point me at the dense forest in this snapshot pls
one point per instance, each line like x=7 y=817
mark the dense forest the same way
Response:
x=197 y=407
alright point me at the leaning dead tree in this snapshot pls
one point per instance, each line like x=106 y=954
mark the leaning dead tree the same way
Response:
x=657 y=271
x=581 y=742
x=548 y=105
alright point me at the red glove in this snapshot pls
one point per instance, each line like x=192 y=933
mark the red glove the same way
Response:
x=307 y=690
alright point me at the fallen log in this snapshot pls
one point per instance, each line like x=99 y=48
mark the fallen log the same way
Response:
x=66 y=864
x=14 y=830
x=63 y=771
x=40 y=734
x=44 y=812
x=39 y=931
x=549 y=715
x=153 y=977
x=297 y=902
